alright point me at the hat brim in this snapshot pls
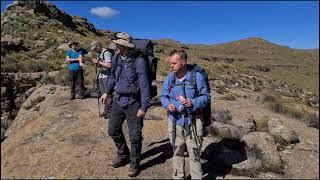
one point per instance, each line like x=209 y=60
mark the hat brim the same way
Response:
x=124 y=43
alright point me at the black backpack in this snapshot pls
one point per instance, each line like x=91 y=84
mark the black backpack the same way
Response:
x=144 y=48
x=206 y=111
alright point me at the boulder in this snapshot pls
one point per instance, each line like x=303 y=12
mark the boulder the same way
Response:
x=261 y=145
x=279 y=130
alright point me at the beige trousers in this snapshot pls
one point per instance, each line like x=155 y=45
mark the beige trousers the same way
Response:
x=187 y=141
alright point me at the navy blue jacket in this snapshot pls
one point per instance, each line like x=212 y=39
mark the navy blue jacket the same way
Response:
x=123 y=76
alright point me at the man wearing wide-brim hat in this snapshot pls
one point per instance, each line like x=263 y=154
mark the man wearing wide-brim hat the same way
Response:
x=130 y=83
x=74 y=57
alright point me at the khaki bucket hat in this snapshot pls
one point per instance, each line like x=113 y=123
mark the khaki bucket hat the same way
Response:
x=124 y=39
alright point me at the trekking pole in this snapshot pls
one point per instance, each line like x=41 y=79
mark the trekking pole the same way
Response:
x=193 y=129
x=98 y=89
x=197 y=141
x=174 y=132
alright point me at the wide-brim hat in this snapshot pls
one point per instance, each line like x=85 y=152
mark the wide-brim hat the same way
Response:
x=124 y=39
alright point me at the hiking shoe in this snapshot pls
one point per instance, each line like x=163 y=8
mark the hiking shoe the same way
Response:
x=119 y=162
x=81 y=97
x=72 y=97
x=133 y=172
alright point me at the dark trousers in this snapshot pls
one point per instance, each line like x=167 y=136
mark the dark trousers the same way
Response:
x=76 y=76
x=103 y=89
x=135 y=124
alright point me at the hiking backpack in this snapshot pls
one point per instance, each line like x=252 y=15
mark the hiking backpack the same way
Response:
x=144 y=48
x=206 y=111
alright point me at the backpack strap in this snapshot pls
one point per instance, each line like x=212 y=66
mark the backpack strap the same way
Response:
x=173 y=81
x=103 y=53
x=194 y=80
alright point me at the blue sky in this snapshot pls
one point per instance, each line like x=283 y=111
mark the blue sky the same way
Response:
x=291 y=23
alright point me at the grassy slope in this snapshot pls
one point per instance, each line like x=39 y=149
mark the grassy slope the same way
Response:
x=255 y=51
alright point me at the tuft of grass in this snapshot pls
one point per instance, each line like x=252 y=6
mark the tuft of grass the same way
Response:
x=262 y=123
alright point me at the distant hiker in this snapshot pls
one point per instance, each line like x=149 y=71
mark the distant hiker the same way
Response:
x=184 y=100
x=74 y=57
x=103 y=64
x=130 y=82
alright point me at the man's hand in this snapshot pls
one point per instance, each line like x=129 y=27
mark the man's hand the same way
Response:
x=103 y=98
x=81 y=64
x=141 y=114
x=187 y=102
x=94 y=60
x=171 y=108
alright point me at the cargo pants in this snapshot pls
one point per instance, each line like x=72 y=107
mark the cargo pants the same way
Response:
x=188 y=141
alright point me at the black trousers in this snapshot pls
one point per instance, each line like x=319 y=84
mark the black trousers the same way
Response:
x=135 y=124
x=103 y=89
x=76 y=76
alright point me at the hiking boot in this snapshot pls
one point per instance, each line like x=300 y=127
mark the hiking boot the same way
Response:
x=119 y=162
x=133 y=172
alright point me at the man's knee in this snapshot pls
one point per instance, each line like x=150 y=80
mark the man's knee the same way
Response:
x=135 y=138
x=114 y=133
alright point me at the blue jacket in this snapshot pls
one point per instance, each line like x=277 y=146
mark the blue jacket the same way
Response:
x=121 y=76
x=74 y=65
x=170 y=94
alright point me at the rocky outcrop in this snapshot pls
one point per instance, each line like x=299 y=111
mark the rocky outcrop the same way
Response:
x=15 y=90
x=9 y=43
x=217 y=59
x=282 y=132
x=51 y=11
x=41 y=7
x=263 y=68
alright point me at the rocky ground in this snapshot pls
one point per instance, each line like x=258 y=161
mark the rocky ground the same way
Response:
x=53 y=137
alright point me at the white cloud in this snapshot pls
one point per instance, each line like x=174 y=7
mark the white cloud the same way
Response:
x=104 y=12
